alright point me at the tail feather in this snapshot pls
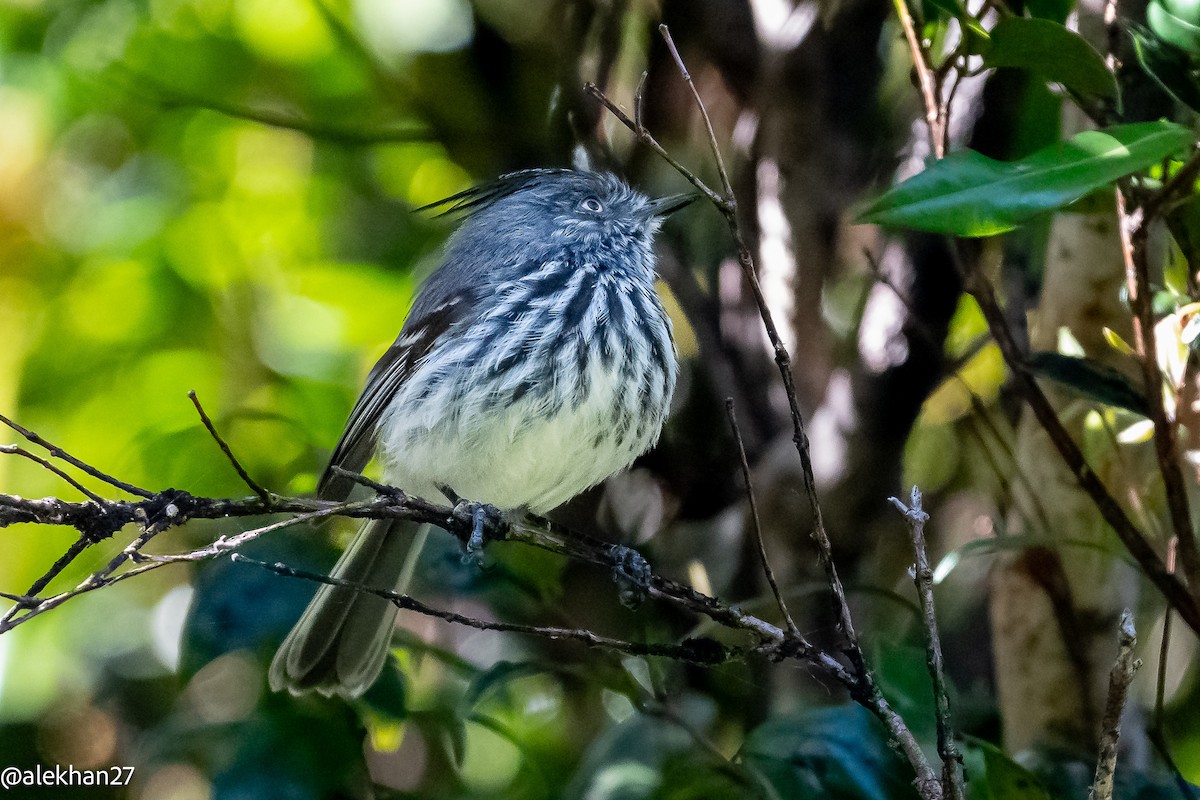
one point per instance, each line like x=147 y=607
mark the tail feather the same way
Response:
x=340 y=644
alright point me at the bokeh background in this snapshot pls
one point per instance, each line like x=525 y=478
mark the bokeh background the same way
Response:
x=219 y=195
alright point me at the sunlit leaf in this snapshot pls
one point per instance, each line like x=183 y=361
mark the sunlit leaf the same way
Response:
x=1137 y=433
x=1116 y=342
x=969 y=194
x=1172 y=350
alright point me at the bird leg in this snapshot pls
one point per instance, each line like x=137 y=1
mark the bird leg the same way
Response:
x=631 y=573
x=482 y=517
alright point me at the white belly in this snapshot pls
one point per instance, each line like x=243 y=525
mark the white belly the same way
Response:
x=518 y=455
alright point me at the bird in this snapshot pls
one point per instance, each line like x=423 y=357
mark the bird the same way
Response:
x=536 y=361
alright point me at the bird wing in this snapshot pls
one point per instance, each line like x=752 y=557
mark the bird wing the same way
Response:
x=417 y=338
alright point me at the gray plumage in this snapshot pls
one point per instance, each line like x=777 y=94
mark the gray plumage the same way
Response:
x=536 y=361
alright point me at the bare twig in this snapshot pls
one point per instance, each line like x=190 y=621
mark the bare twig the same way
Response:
x=758 y=537
x=952 y=785
x=13 y=449
x=1164 y=649
x=1156 y=732
x=1124 y=668
x=862 y=686
x=262 y=493
x=58 y=452
x=712 y=136
x=709 y=652
x=934 y=116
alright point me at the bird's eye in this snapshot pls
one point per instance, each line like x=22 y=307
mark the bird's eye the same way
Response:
x=592 y=204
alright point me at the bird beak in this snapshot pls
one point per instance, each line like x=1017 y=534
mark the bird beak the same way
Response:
x=669 y=205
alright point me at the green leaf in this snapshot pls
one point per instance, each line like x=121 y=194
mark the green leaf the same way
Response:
x=1050 y=50
x=991 y=775
x=839 y=752
x=1172 y=23
x=1170 y=67
x=1056 y=10
x=969 y=194
x=1091 y=379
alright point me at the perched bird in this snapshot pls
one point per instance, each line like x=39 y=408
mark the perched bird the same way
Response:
x=536 y=361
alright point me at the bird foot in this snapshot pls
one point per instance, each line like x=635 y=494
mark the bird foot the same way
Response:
x=632 y=575
x=482 y=517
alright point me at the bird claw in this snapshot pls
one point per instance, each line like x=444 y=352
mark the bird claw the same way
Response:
x=632 y=574
x=482 y=517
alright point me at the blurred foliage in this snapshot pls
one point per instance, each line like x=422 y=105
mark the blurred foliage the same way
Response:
x=215 y=195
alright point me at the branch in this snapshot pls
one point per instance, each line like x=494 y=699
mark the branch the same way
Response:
x=1118 y=686
x=1134 y=228
x=262 y=493
x=58 y=452
x=923 y=578
x=1111 y=511
x=935 y=117
x=700 y=650
x=758 y=537
x=861 y=684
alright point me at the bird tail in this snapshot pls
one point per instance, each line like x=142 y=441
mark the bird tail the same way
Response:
x=340 y=644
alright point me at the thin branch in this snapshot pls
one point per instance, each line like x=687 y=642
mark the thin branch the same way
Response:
x=1181 y=182
x=58 y=452
x=647 y=139
x=1110 y=510
x=1164 y=649
x=712 y=137
x=758 y=536
x=925 y=79
x=1123 y=670
x=952 y=785
x=711 y=652
x=862 y=686
x=15 y=450
x=1133 y=234
x=1156 y=731
x=263 y=494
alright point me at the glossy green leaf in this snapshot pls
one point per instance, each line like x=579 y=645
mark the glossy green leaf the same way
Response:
x=1091 y=379
x=1175 y=23
x=1170 y=67
x=1053 y=52
x=994 y=776
x=969 y=194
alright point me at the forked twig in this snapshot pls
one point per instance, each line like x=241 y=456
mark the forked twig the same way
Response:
x=922 y=575
x=58 y=452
